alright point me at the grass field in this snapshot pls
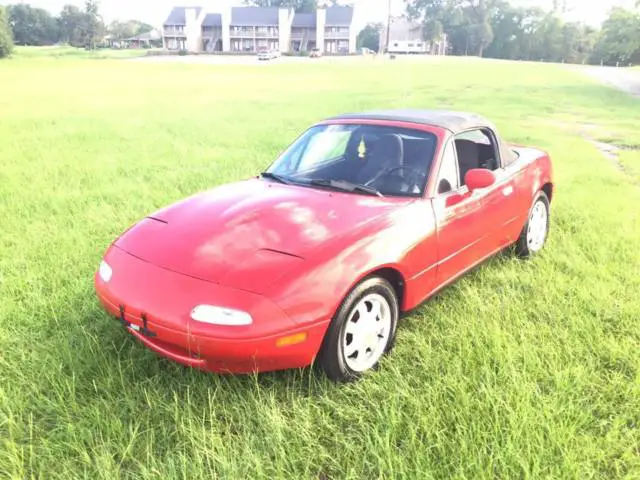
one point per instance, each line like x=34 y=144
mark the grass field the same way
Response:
x=520 y=370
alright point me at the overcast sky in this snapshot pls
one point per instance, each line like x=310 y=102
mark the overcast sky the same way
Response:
x=155 y=11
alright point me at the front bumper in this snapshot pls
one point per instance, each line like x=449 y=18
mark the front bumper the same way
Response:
x=154 y=305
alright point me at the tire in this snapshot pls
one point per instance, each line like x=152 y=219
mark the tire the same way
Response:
x=350 y=349
x=535 y=232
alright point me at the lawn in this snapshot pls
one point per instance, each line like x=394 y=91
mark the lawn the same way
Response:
x=519 y=370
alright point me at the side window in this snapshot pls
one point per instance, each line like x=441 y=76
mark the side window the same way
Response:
x=448 y=175
x=476 y=149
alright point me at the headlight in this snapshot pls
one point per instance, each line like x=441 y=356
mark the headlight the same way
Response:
x=220 y=316
x=105 y=271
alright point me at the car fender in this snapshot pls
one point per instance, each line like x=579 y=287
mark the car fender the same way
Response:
x=315 y=290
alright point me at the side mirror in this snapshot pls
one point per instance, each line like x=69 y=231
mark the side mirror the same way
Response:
x=477 y=178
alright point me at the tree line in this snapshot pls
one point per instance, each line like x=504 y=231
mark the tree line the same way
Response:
x=499 y=29
x=22 y=24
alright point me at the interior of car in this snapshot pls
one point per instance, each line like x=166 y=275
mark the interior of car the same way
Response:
x=475 y=150
x=393 y=161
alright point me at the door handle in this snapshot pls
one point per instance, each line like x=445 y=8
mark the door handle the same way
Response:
x=506 y=191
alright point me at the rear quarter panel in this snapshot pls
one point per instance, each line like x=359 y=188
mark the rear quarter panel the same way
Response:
x=532 y=170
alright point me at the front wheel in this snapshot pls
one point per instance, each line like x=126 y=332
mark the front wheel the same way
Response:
x=535 y=232
x=361 y=332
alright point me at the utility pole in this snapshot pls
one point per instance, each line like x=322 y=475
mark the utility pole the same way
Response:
x=388 y=27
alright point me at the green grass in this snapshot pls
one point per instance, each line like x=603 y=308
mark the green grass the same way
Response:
x=519 y=370
x=58 y=52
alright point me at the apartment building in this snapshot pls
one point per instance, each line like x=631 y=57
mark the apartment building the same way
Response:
x=252 y=29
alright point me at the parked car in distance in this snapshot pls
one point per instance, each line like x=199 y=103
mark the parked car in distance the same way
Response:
x=364 y=217
x=268 y=54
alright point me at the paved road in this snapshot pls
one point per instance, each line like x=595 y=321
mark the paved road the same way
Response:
x=626 y=79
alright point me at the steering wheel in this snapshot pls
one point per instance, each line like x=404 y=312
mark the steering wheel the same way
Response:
x=387 y=173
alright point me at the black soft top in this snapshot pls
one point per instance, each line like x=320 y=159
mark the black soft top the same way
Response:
x=455 y=122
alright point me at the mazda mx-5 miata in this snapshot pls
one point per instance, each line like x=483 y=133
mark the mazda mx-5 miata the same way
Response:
x=362 y=218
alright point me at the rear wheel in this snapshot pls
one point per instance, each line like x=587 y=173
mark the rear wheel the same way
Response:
x=535 y=232
x=361 y=332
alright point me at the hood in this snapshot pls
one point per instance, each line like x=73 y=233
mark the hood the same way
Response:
x=248 y=234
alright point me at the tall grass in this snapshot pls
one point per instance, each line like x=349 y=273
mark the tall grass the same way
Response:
x=519 y=370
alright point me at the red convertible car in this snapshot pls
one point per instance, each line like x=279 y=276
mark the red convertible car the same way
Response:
x=362 y=218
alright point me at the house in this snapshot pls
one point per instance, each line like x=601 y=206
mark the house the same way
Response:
x=149 y=39
x=408 y=37
x=251 y=29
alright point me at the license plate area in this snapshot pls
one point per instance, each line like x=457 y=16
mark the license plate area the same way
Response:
x=144 y=330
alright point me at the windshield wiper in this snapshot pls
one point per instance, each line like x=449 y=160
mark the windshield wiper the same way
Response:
x=276 y=177
x=345 y=186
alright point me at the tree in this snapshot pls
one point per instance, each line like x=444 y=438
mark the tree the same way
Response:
x=300 y=6
x=81 y=28
x=32 y=26
x=498 y=29
x=297 y=5
x=93 y=24
x=123 y=30
x=620 y=38
x=6 y=35
x=369 y=37
x=466 y=22
x=71 y=24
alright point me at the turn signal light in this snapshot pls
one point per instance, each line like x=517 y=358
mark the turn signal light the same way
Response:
x=291 y=339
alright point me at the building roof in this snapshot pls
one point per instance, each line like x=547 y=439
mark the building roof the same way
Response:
x=339 y=15
x=249 y=16
x=212 y=20
x=304 y=20
x=456 y=122
x=151 y=35
x=178 y=17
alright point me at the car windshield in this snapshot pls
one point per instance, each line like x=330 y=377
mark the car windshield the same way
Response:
x=385 y=160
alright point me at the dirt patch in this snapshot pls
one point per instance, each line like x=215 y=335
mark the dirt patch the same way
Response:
x=624 y=79
x=611 y=152
x=609 y=148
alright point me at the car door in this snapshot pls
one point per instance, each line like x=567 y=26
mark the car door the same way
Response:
x=459 y=225
x=500 y=201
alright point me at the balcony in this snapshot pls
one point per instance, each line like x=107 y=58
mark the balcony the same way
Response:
x=299 y=35
x=267 y=34
x=342 y=34
x=173 y=32
x=242 y=33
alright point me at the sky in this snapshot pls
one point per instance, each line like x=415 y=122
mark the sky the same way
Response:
x=155 y=11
